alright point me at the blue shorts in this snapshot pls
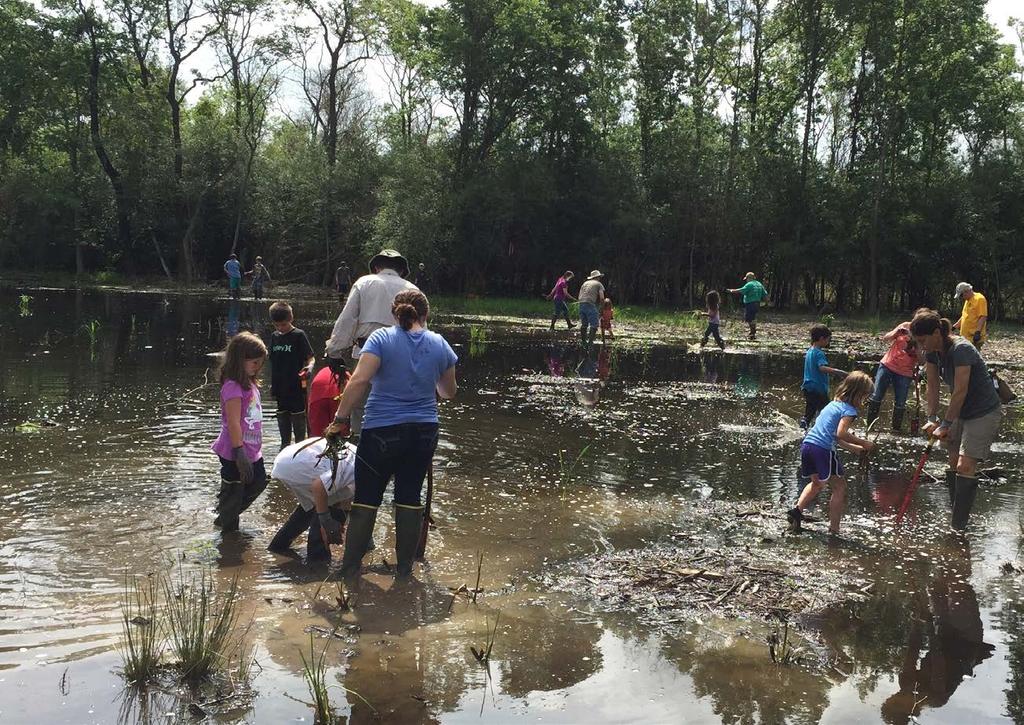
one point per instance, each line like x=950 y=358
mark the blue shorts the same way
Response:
x=815 y=460
x=750 y=311
x=234 y=282
x=561 y=308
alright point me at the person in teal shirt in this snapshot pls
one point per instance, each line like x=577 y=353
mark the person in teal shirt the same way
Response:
x=752 y=292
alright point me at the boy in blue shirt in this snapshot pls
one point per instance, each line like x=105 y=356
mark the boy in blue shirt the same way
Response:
x=816 y=372
x=818 y=456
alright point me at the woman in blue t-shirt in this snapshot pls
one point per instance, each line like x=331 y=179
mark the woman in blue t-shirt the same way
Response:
x=818 y=457
x=405 y=368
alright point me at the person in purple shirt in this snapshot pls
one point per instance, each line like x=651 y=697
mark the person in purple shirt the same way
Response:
x=559 y=294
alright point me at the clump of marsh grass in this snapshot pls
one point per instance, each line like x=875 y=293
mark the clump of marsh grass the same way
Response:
x=483 y=655
x=201 y=624
x=143 y=645
x=314 y=671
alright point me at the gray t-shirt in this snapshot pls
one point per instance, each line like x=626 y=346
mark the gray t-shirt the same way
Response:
x=592 y=291
x=981 y=393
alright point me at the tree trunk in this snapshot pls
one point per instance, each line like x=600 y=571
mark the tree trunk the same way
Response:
x=124 y=235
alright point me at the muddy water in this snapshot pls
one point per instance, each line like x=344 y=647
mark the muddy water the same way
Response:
x=547 y=456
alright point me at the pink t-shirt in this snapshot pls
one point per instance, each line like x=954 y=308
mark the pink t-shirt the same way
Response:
x=561 y=290
x=897 y=359
x=252 y=421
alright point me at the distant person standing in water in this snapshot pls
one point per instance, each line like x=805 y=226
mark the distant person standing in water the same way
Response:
x=233 y=269
x=422 y=279
x=973 y=322
x=713 y=303
x=559 y=294
x=591 y=298
x=368 y=309
x=752 y=293
x=260 y=277
x=342 y=281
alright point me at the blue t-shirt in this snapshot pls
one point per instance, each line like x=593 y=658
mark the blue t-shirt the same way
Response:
x=815 y=380
x=233 y=268
x=411 y=363
x=823 y=434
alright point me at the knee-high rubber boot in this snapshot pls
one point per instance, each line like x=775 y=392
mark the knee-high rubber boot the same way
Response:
x=897 y=419
x=951 y=484
x=873 y=409
x=963 y=501
x=408 y=524
x=284 y=427
x=358 y=533
x=299 y=426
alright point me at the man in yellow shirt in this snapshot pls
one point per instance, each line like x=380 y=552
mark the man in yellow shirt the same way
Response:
x=973 y=322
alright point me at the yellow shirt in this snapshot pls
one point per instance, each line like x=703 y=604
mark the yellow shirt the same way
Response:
x=974 y=308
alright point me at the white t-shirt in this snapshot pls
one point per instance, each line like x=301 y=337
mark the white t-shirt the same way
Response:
x=298 y=469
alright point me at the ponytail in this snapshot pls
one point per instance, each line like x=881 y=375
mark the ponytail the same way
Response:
x=410 y=307
x=926 y=322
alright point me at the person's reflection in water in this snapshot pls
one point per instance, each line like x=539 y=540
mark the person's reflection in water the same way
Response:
x=554 y=359
x=711 y=367
x=588 y=386
x=950 y=627
x=887 y=490
x=234 y=315
x=604 y=364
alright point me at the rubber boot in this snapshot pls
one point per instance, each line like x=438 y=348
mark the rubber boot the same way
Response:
x=284 y=427
x=299 y=426
x=963 y=501
x=358 y=533
x=873 y=409
x=951 y=484
x=897 y=419
x=408 y=525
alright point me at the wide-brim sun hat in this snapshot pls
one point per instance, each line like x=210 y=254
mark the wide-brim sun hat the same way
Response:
x=392 y=256
x=750 y=275
x=961 y=288
x=595 y=274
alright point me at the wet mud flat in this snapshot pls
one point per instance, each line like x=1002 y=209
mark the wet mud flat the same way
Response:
x=627 y=501
x=750 y=571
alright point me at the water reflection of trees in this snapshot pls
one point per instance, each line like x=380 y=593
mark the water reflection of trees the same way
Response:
x=746 y=689
x=541 y=653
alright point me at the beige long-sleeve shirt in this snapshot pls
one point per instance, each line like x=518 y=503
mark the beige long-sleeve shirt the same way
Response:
x=367 y=309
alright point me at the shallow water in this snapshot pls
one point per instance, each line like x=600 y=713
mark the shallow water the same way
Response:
x=547 y=456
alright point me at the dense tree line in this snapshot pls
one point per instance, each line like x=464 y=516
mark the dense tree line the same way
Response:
x=862 y=154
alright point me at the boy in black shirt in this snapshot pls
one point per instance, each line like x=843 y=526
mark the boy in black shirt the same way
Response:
x=291 y=360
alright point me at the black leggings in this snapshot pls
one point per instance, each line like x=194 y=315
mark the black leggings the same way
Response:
x=401 y=451
x=814 y=402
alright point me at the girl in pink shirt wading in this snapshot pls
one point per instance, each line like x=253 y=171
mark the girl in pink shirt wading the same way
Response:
x=240 y=443
x=896 y=369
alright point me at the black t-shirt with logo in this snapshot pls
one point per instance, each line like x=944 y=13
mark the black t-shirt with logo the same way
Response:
x=289 y=353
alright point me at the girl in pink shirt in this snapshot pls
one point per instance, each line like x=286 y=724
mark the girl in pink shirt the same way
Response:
x=896 y=369
x=240 y=443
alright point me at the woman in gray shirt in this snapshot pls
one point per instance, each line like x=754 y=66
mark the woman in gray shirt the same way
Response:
x=973 y=415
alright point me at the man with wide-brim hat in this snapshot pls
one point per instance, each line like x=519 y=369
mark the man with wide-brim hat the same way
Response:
x=591 y=297
x=368 y=308
x=973 y=322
